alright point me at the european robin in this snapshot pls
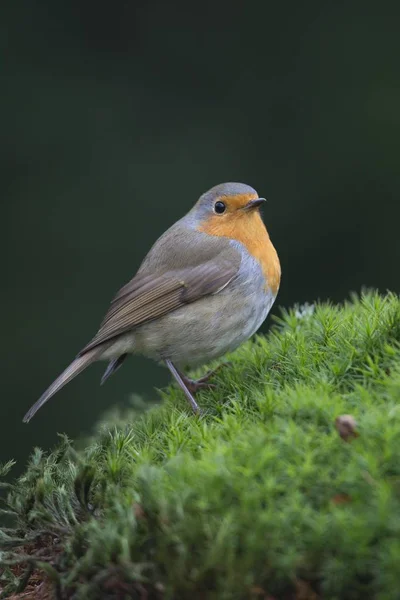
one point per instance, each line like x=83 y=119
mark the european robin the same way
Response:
x=205 y=287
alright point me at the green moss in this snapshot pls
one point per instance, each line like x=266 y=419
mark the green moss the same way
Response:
x=257 y=495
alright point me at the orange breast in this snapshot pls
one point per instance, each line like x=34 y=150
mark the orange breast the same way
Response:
x=249 y=230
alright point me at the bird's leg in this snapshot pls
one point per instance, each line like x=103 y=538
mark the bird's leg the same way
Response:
x=194 y=385
x=183 y=387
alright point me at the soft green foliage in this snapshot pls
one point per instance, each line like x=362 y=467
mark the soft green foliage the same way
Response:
x=257 y=494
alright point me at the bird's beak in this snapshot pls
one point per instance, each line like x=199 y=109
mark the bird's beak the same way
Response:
x=254 y=203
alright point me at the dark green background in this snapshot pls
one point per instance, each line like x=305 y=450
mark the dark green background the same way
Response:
x=117 y=115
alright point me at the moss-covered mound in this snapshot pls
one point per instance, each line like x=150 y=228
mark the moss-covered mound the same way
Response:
x=258 y=498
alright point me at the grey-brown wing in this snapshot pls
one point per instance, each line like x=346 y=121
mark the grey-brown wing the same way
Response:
x=148 y=297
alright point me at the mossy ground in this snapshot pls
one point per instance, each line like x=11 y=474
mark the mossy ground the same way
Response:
x=257 y=498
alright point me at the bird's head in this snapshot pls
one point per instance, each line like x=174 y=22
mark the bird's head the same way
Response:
x=227 y=208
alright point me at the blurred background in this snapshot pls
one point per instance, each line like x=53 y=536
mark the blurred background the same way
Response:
x=117 y=115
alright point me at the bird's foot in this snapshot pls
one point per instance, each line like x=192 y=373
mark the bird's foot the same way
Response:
x=194 y=385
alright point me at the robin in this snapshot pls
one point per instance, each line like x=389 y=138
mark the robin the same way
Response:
x=205 y=287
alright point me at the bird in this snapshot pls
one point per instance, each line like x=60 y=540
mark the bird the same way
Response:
x=205 y=287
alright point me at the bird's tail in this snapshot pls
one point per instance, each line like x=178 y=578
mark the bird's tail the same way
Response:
x=113 y=366
x=76 y=367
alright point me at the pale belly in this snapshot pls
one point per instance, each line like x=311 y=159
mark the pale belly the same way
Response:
x=206 y=329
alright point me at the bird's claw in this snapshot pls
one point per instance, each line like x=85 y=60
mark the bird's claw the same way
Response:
x=203 y=383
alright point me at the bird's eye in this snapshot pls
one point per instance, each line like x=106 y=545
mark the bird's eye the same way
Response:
x=219 y=208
